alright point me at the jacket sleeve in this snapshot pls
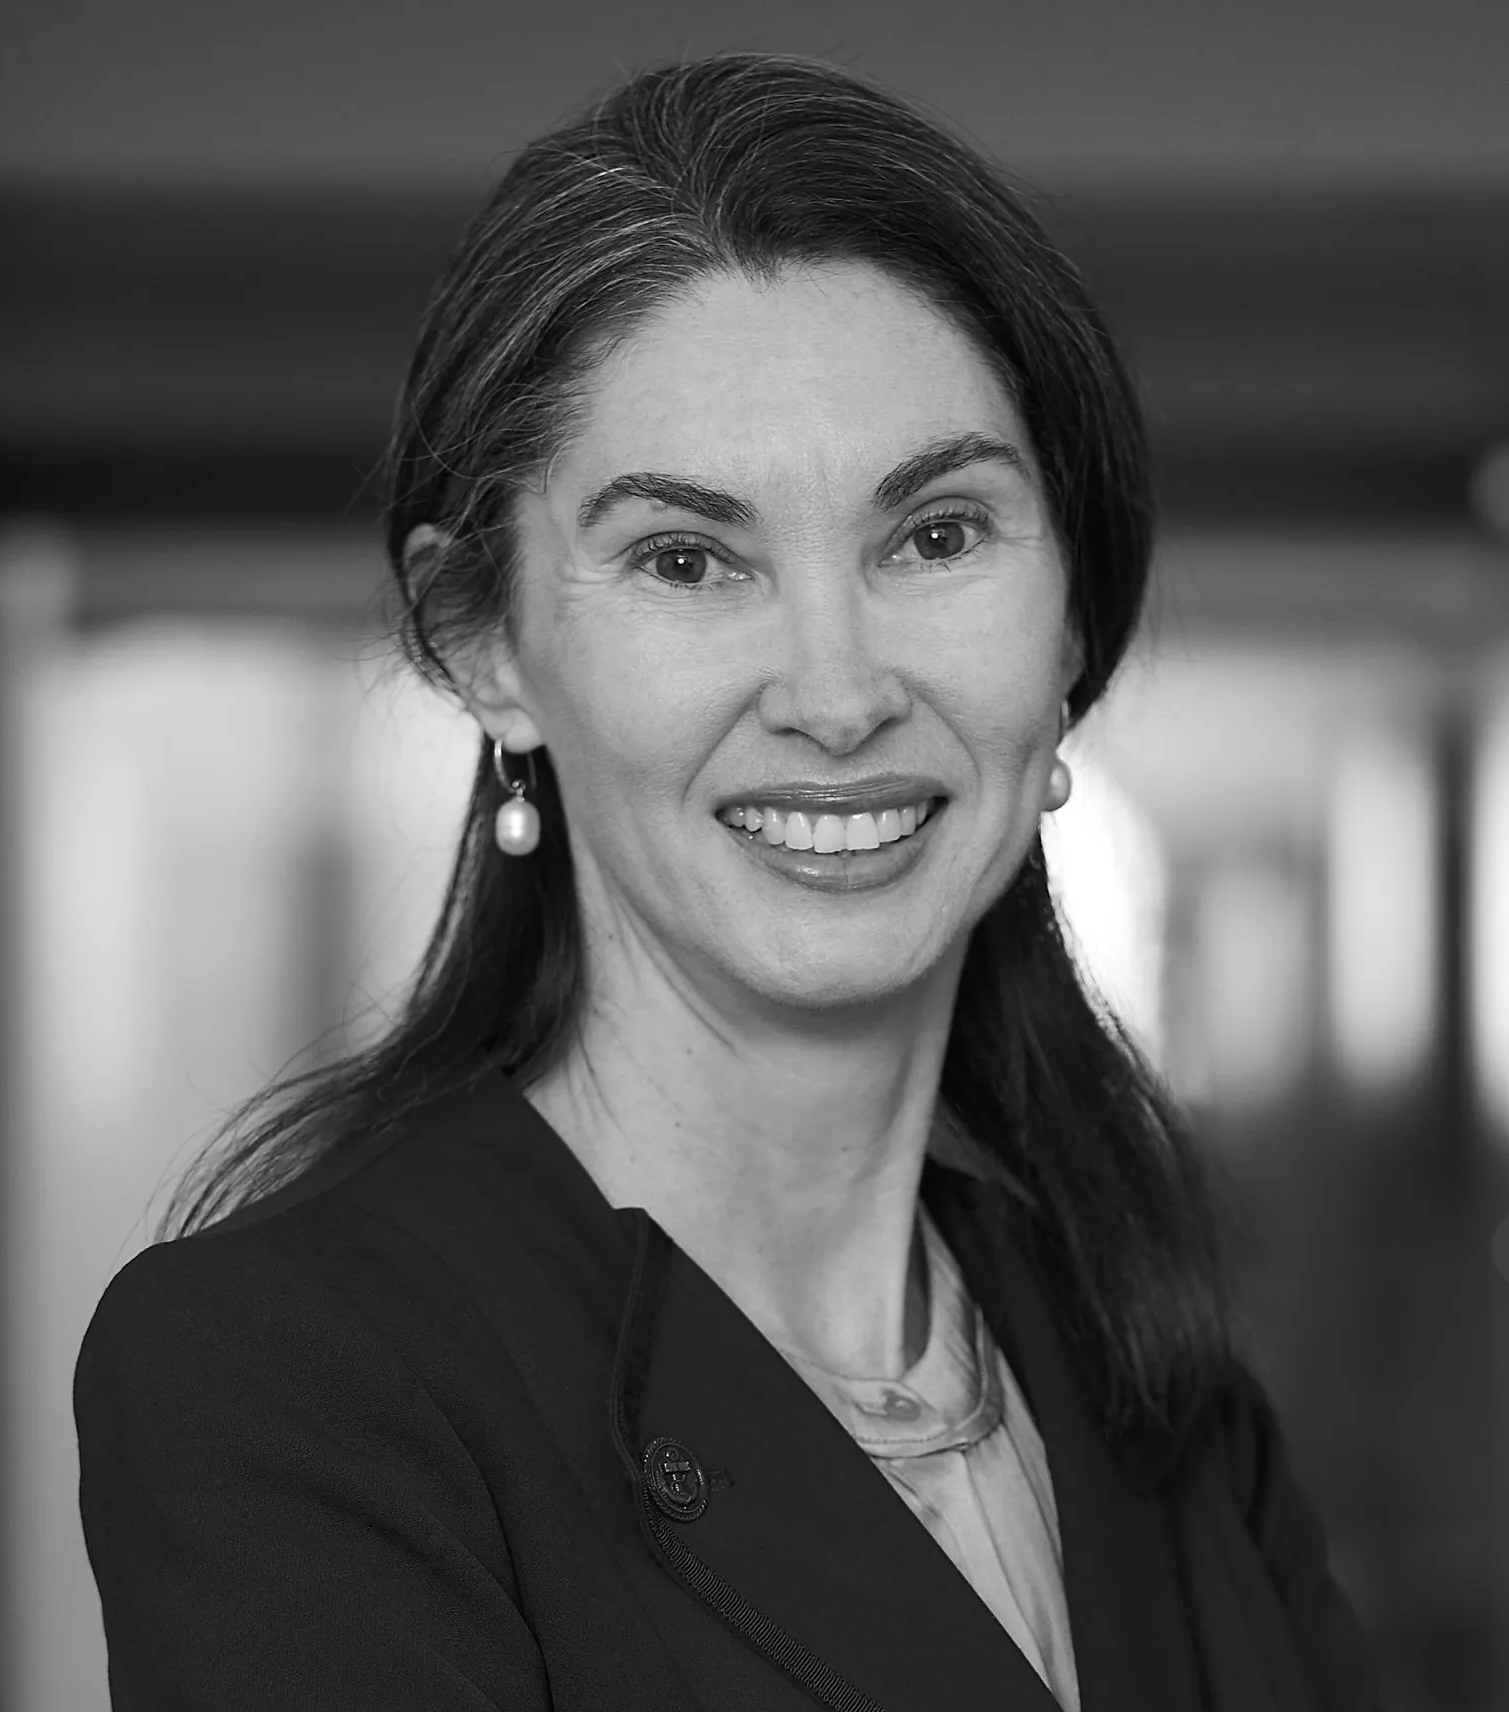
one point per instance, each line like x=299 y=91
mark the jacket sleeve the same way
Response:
x=1289 y=1535
x=277 y=1514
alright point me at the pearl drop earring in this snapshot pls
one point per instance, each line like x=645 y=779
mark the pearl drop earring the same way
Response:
x=516 y=830
x=1060 y=779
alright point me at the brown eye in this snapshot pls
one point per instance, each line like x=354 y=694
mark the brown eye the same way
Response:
x=944 y=538
x=684 y=565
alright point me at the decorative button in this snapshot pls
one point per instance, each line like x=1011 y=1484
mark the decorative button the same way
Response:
x=676 y=1479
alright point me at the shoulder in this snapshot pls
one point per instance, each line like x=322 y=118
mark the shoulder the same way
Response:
x=327 y=1300
x=239 y=1359
x=435 y=1250
x=303 y=1293
x=1241 y=1430
x=1245 y=1437
x=214 y=1348
x=1241 y=1464
x=224 y=1312
x=266 y=1462
x=1240 y=1446
x=279 y=1261
x=369 y=1223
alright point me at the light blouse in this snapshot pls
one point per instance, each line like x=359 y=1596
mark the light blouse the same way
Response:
x=954 y=1437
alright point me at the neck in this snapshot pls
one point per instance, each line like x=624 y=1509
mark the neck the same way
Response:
x=783 y=1153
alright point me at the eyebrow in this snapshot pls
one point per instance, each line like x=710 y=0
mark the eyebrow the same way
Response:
x=941 y=458
x=674 y=491
x=894 y=489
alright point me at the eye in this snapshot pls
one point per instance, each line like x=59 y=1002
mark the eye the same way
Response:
x=944 y=536
x=944 y=539
x=685 y=566
x=681 y=562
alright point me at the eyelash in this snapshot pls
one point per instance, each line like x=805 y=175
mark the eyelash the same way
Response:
x=640 y=558
x=954 y=511
x=959 y=511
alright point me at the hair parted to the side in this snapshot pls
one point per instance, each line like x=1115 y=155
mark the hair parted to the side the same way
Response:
x=759 y=163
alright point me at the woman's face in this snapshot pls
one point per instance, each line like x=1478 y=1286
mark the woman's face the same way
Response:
x=796 y=569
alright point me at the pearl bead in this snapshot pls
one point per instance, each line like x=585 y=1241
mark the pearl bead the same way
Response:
x=517 y=828
x=1060 y=783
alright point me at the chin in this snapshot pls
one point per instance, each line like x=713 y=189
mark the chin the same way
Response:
x=839 y=977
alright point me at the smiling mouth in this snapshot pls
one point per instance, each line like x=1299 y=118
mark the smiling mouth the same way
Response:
x=829 y=834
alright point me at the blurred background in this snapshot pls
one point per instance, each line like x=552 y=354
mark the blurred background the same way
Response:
x=225 y=815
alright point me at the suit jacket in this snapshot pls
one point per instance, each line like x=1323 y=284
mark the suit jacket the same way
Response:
x=437 y=1428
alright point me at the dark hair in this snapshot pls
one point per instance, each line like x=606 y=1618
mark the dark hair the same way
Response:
x=754 y=163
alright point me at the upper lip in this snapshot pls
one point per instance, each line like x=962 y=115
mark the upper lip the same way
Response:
x=813 y=796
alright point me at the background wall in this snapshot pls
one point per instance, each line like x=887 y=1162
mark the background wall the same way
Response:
x=422 y=91
x=223 y=821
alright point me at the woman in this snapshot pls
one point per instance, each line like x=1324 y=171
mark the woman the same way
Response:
x=749 y=1179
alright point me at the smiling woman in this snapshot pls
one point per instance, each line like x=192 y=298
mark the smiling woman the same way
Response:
x=830 y=557
x=748 y=1156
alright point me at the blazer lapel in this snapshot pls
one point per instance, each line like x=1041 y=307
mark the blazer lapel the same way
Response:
x=800 y=1543
x=758 y=1500
x=1132 y=1645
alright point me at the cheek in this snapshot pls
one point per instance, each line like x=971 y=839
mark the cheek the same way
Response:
x=629 y=716
x=995 y=680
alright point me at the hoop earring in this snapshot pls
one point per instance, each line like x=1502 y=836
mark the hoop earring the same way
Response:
x=516 y=828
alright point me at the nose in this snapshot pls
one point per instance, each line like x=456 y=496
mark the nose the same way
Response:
x=833 y=683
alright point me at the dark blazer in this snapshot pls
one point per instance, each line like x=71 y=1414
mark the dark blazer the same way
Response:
x=438 y=1429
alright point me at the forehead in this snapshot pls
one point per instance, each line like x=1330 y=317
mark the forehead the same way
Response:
x=837 y=370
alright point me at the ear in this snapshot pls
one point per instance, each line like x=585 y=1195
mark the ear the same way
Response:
x=486 y=672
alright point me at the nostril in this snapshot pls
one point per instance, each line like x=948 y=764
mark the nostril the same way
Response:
x=838 y=715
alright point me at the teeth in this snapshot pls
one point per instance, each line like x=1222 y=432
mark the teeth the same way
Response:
x=860 y=833
x=798 y=832
x=827 y=834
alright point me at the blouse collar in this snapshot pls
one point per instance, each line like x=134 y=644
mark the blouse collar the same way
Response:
x=948 y=1399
